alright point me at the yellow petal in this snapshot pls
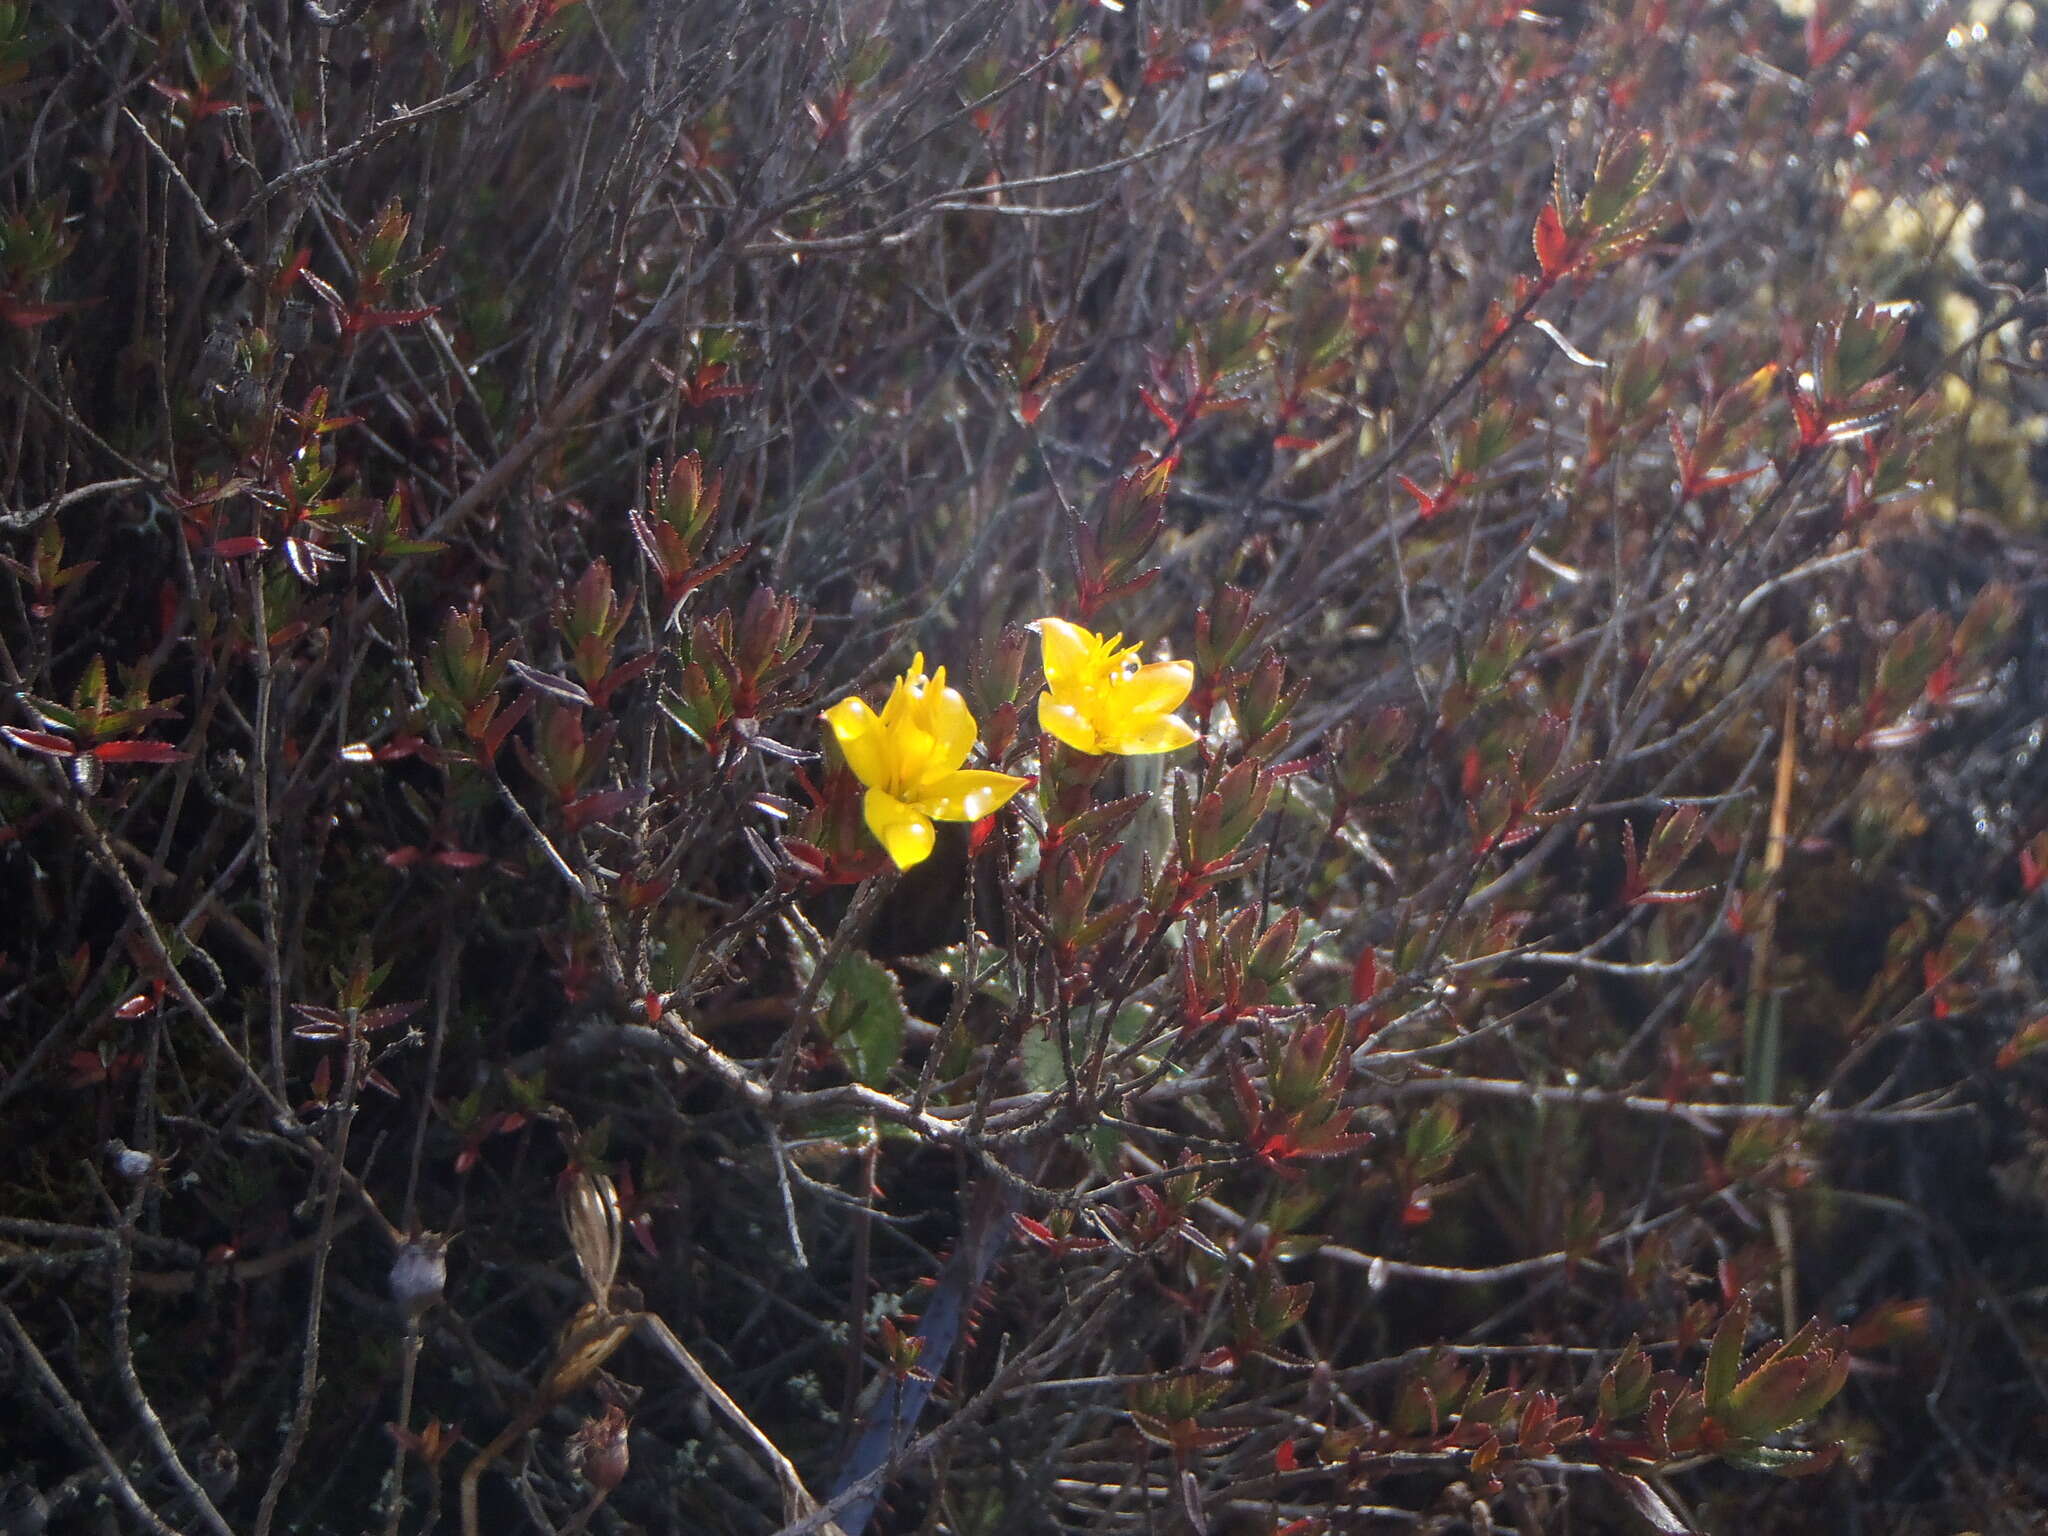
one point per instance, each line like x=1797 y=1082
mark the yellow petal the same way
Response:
x=1167 y=734
x=1068 y=724
x=904 y=696
x=861 y=737
x=1069 y=651
x=968 y=795
x=904 y=830
x=911 y=752
x=1156 y=689
x=951 y=727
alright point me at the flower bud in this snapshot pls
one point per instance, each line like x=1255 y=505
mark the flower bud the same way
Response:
x=998 y=671
x=1225 y=630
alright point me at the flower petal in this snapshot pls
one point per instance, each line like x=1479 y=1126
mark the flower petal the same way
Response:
x=860 y=736
x=904 y=830
x=968 y=795
x=1068 y=724
x=952 y=729
x=1156 y=689
x=911 y=752
x=1070 y=652
x=1169 y=733
x=902 y=698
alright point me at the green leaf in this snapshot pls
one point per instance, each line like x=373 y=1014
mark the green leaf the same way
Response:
x=862 y=1009
x=1628 y=166
x=1724 y=1360
x=1912 y=657
x=1625 y=1390
x=848 y=1128
x=950 y=964
x=1038 y=1053
x=1783 y=1462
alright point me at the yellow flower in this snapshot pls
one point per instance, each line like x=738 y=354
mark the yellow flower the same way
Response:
x=1099 y=698
x=909 y=757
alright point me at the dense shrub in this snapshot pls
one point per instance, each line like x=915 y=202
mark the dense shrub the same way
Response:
x=1529 y=1049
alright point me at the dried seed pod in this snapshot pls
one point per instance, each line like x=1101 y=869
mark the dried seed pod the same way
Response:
x=217 y=354
x=419 y=1274
x=128 y=1162
x=242 y=400
x=294 y=327
x=590 y=1211
x=23 y=1509
x=217 y=1467
x=599 y=1452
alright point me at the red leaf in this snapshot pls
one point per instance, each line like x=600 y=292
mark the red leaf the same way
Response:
x=39 y=741
x=390 y=1014
x=599 y=805
x=1823 y=42
x=391 y=751
x=356 y=321
x=525 y=51
x=1427 y=505
x=138 y=752
x=290 y=271
x=1903 y=734
x=650 y=543
x=1365 y=977
x=25 y=317
x=1471 y=775
x=494 y=735
x=978 y=838
x=1670 y=898
x=234 y=549
x=621 y=675
x=1553 y=245
x=642 y=1228
x=1806 y=413
x=555 y=687
x=1165 y=417
x=2029 y=1038
x=1704 y=483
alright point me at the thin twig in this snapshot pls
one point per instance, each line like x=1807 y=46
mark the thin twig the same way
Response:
x=80 y=1424
x=28 y=517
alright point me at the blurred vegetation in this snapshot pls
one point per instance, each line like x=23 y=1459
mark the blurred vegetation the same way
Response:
x=1558 y=1052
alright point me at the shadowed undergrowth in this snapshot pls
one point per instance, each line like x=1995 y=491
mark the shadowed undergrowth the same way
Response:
x=1456 y=948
